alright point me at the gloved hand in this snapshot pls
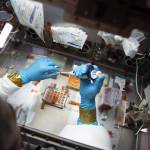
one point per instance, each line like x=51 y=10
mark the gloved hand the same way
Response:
x=88 y=92
x=41 y=69
x=80 y=71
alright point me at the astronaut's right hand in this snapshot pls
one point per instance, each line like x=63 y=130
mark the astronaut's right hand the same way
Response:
x=40 y=69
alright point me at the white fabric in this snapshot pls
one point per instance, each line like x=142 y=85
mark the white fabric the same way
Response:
x=96 y=136
x=6 y=87
x=25 y=99
x=22 y=99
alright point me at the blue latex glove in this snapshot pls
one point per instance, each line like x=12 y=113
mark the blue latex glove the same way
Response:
x=81 y=70
x=41 y=69
x=88 y=90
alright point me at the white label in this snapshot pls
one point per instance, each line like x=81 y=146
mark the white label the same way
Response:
x=69 y=36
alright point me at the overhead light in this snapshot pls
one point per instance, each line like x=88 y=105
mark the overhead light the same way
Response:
x=5 y=34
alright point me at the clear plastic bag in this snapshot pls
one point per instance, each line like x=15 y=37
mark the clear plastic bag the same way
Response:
x=70 y=36
x=30 y=14
x=109 y=38
x=131 y=44
x=110 y=97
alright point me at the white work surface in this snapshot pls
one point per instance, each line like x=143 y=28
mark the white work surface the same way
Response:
x=53 y=119
x=50 y=119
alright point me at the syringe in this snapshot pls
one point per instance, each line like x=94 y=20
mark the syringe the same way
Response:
x=67 y=73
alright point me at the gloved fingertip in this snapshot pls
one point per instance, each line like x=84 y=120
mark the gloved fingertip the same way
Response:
x=103 y=75
x=96 y=67
x=57 y=72
x=51 y=69
x=101 y=78
x=77 y=73
x=56 y=66
x=57 y=69
x=52 y=75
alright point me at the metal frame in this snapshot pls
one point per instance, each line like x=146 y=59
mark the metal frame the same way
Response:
x=46 y=140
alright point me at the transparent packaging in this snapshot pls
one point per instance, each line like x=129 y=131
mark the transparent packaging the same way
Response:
x=30 y=14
